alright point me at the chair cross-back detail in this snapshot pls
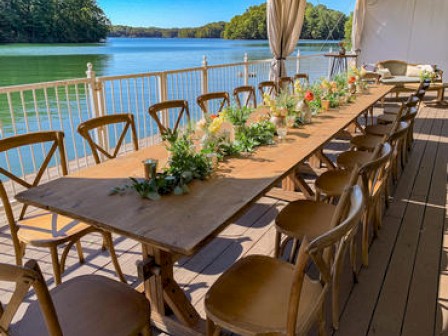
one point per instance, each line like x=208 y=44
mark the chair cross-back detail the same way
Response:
x=302 y=76
x=57 y=143
x=45 y=229
x=268 y=87
x=164 y=107
x=222 y=98
x=99 y=123
x=286 y=84
x=249 y=92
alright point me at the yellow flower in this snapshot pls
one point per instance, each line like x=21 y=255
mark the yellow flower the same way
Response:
x=266 y=98
x=215 y=125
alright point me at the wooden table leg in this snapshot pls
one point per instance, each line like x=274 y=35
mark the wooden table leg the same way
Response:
x=165 y=295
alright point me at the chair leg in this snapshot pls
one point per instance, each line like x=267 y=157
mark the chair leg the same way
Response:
x=79 y=250
x=56 y=266
x=353 y=260
x=293 y=252
x=365 y=239
x=212 y=329
x=322 y=331
x=278 y=238
x=107 y=236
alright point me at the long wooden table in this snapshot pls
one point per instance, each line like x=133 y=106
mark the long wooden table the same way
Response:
x=183 y=224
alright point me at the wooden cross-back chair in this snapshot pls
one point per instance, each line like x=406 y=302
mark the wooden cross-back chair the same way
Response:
x=268 y=87
x=302 y=77
x=81 y=306
x=41 y=228
x=164 y=107
x=248 y=92
x=312 y=219
x=222 y=98
x=100 y=123
x=286 y=84
x=295 y=301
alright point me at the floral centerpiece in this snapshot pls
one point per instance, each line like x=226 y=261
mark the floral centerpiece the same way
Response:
x=425 y=75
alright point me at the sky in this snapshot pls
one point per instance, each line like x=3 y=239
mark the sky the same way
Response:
x=188 y=13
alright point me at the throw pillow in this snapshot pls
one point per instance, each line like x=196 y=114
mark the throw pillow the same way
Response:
x=413 y=71
x=385 y=73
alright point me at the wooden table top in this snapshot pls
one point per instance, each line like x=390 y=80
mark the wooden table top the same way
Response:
x=183 y=224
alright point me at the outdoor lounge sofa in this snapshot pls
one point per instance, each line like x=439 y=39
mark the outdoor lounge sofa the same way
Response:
x=402 y=73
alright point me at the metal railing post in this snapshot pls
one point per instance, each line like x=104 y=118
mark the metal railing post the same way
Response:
x=330 y=63
x=246 y=69
x=96 y=100
x=162 y=82
x=298 y=61
x=204 y=76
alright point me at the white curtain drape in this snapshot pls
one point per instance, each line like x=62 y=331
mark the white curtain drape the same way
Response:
x=284 y=24
x=410 y=30
x=358 y=24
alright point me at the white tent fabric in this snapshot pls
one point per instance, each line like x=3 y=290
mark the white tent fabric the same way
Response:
x=284 y=24
x=410 y=30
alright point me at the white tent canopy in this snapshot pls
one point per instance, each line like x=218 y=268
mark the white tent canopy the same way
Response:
x=410 y=30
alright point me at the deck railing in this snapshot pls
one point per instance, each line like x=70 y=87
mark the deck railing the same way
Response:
x=62 y=105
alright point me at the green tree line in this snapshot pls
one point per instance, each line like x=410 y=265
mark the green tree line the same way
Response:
x=211 y=30
x=71 y=21
x=320 y=23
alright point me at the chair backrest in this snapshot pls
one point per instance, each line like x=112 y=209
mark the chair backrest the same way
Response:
x=373 y=173
x=180 y=108
x=100 y=123
x=348 y=215
x=302 y=76
x=56 y=139
x=222 y=99
x=248 y=92
x=268 y=87
x=285 y=84
x=26 y=277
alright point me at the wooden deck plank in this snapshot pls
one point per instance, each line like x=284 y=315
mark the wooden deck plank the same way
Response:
x=422 y=301
x=359 y=309
x=388 y=316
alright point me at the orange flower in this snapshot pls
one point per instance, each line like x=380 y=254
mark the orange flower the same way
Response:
x=213 y=116
x=351 y=79
x=309 y=96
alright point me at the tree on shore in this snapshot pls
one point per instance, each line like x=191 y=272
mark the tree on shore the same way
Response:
x=44 y=21
x=320 y=23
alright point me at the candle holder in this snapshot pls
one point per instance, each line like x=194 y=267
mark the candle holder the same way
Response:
x=150 y=168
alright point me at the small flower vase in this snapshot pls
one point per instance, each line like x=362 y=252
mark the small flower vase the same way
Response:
x=352 y=88
x=299 y=106
x=325 y=104
x=277 y=121
x=307 y=115
x=359 y=88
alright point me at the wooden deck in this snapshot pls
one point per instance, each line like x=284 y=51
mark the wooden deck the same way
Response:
x=404 y=291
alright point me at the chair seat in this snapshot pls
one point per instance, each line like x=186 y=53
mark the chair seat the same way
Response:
x=349 y=159
x=253 y=295
x=46 y=228
x=90 y=305
x=366 y=142
x=305 y=218
x=386 y=118
x=333 y=182
x=380 y=130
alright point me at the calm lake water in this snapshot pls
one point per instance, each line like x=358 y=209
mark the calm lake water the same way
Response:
x=31 y=63
x=65 y=109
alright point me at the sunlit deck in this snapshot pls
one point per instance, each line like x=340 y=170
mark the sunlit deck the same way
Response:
x=403 y=291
